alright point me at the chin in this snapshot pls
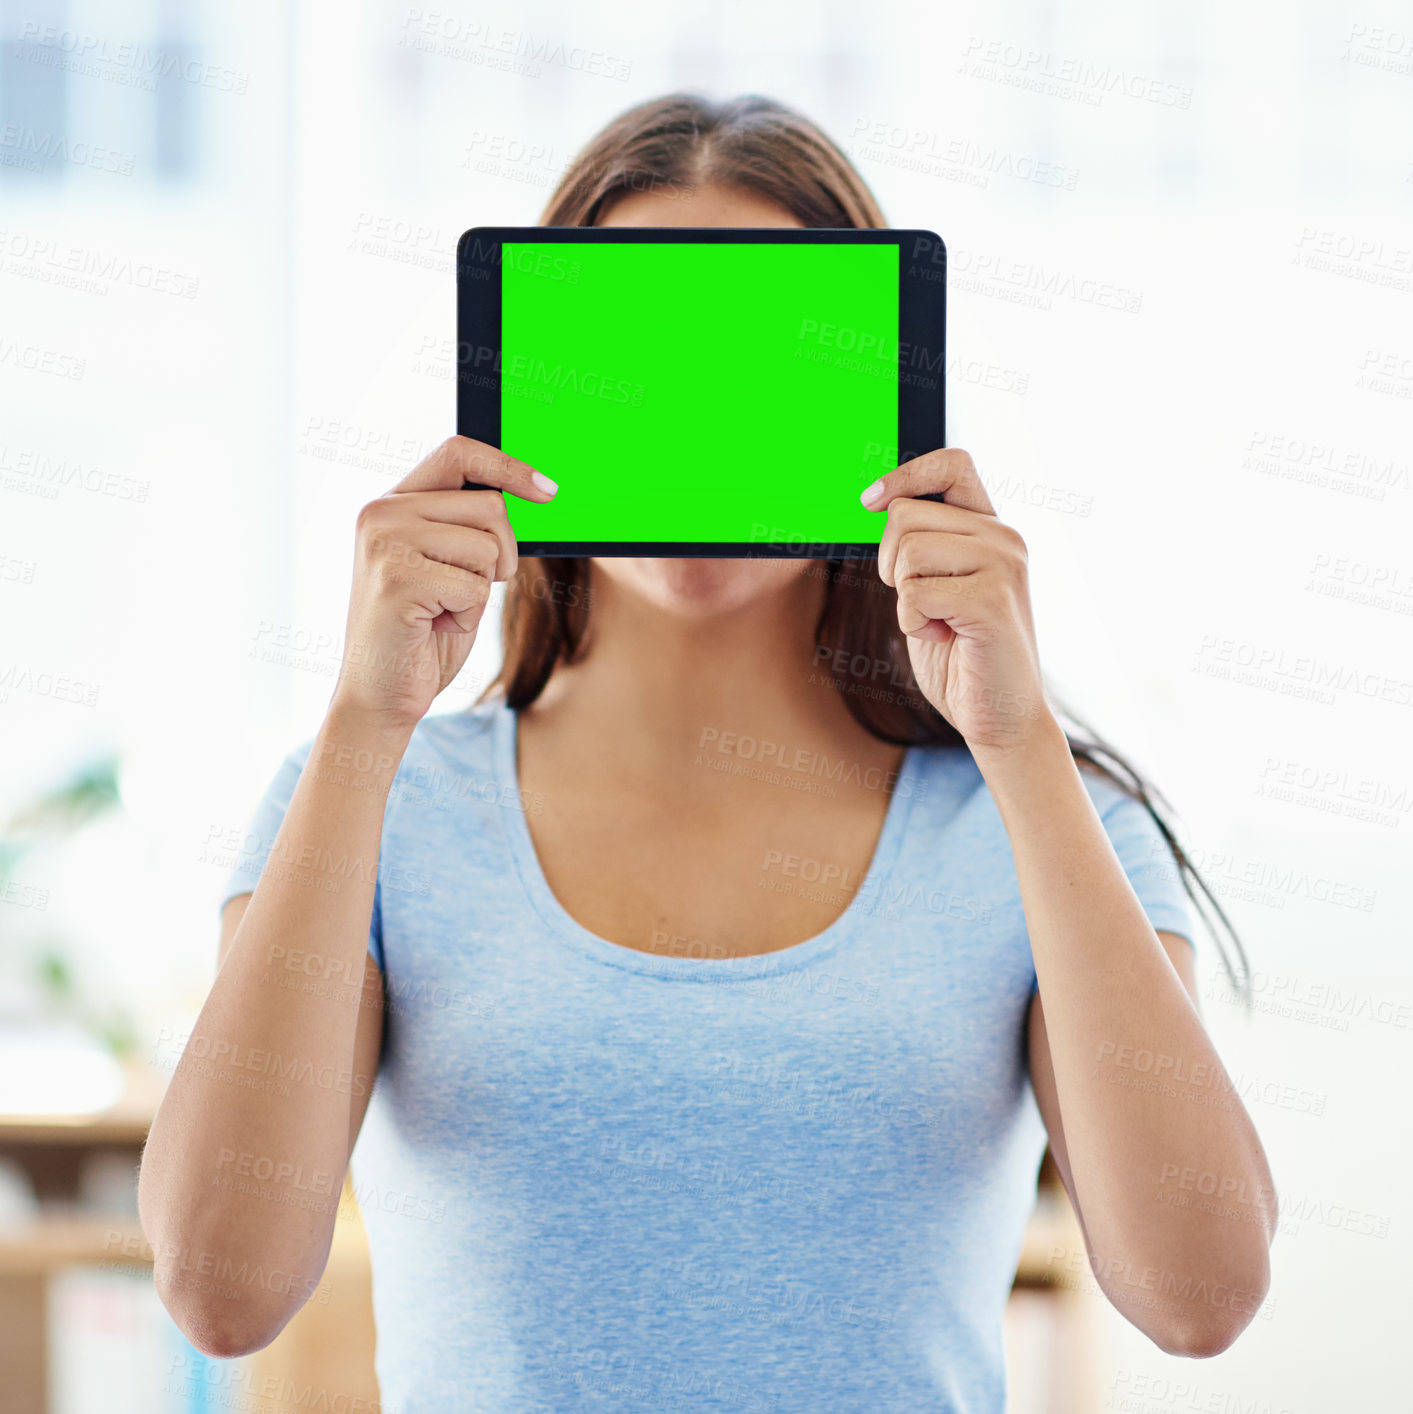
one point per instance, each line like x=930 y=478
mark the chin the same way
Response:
x=702 y=589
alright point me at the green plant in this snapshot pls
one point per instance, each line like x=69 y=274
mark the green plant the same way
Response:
x=50 y=819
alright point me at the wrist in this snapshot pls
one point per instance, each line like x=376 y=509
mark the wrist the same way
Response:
x=350 y=727
x=1043 y=746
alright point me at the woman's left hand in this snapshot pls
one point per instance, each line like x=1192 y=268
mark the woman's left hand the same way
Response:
x=963 y=600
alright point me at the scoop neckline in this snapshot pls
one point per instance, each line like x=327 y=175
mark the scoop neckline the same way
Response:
x=569 y=930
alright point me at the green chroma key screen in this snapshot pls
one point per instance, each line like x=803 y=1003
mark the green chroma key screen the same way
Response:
x=682 y=391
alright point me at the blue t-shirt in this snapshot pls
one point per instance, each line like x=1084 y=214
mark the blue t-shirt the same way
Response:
x=596 y=1178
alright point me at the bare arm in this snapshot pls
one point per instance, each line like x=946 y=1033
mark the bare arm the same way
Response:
x=240 y=1178
x=241 y=1175
x=1132 y=1088
x=1129 y=1083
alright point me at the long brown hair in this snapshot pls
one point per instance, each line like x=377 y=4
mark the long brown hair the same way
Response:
x=671 y=145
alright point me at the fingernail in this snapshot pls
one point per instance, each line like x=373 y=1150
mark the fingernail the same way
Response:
x=872 y=493
x=544 y=483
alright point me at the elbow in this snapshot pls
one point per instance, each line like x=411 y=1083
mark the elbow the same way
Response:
x=217 y=1326
x=223 y=1342
x=219 y=1318
x=1211 y=1326
x=1199 y=1340
x=222 y=1312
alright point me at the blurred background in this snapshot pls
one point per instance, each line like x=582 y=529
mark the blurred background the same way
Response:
x=1180 y=352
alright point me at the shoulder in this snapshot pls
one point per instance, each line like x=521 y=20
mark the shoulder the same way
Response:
x=1134 y=830
x=454 y=735
x=1133 y=827
x=942 y=781
x=453 y=738
x=452 y=753
x=949 y=776
x=935 y=762
x=449 y=754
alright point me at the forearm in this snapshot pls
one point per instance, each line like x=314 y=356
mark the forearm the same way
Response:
x=1110 y=994
x=267 y=1078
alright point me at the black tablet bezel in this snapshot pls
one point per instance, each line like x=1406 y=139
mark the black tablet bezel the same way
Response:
x=922 y=325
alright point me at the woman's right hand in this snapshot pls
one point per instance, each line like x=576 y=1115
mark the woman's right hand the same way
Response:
x=425 y=557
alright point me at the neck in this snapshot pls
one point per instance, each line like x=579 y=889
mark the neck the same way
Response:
x=654 y=685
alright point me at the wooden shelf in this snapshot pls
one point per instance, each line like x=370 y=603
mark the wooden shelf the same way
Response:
x=125 y=1123
x=52 y=1242
x=86 y=1130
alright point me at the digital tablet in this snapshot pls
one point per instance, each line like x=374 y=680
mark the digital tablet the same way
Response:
x=701 y=391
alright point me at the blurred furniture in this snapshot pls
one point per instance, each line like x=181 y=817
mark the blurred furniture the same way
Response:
x=51 y=1151
x=1051 y=1354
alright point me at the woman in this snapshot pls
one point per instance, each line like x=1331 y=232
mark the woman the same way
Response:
x=699 y=1084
